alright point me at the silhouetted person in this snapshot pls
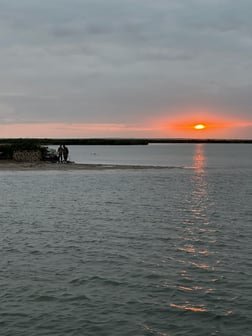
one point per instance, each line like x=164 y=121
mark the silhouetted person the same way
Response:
x=60 y=153
x=65 y=153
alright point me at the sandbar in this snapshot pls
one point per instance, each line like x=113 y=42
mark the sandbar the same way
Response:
x=9 y=165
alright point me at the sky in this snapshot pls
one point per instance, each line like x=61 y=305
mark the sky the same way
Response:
x=134 y=68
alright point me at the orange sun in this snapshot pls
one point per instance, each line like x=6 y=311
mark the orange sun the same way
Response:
x=199 y=127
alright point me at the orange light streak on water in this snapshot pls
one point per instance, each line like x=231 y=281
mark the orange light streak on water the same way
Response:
x=187 y=249
x=190 y=308
x=186 y=288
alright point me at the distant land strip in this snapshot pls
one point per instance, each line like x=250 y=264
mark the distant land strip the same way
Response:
x=118 y=141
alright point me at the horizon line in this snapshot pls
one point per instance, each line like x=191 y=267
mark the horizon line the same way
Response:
x=132 y=140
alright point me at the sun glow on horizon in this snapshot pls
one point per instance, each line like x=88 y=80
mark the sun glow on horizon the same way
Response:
x=201 y=123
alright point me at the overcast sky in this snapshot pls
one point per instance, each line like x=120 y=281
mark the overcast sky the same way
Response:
x=123 y=67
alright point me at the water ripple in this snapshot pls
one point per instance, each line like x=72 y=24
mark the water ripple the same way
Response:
x=126 y=253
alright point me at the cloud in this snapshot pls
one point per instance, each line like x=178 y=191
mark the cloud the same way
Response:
x=123 y=61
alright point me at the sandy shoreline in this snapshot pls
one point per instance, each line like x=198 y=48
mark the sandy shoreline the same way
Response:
x=43 y=166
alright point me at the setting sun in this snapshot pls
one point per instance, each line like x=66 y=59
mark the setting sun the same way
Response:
x=199 y=126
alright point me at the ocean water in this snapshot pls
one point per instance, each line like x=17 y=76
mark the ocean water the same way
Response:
x=171 y=155
x=163 y=252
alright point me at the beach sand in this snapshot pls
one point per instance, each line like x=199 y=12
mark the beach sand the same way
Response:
x=8 y=165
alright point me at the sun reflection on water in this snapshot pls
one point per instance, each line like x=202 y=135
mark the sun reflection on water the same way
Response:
x=197 y=236
x=199 y=195
x=199 y=158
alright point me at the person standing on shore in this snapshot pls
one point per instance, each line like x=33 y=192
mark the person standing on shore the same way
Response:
x=65 y=153
x=60 y=154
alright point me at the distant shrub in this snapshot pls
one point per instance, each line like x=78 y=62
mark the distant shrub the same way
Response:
x=7 y=151
x=26 y=145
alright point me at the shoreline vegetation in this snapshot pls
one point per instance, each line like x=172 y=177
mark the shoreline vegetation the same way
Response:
x=114 y=141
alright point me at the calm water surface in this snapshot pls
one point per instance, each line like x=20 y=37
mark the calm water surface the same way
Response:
x=163 y=252
x=214 y=155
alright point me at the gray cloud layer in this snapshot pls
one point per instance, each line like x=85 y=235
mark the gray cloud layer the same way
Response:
x=122 y=61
